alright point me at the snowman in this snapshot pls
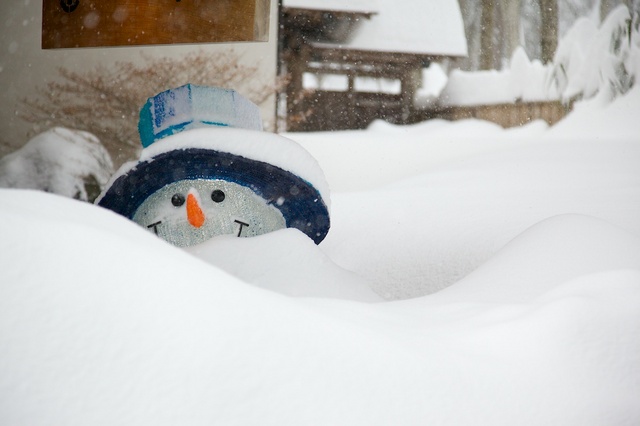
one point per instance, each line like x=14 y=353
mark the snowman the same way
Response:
x=208 y=169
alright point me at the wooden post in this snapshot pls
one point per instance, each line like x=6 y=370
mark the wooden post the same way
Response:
x=549 y=36
x=297 y=60
x=411 y=81
x=487 y=22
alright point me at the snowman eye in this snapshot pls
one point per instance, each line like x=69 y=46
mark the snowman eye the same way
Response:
x=217 y=196
x=177 y=200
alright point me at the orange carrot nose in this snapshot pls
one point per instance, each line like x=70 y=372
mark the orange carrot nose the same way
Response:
x=195 y=215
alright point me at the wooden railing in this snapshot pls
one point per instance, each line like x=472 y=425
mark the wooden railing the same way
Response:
x=506 y=115
x=325 y=110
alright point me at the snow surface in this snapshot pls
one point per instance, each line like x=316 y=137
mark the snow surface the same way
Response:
x=313 y=275
x=533 y=231
x=447 y=196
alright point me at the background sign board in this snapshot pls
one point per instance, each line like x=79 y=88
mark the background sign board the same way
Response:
x=95 y=23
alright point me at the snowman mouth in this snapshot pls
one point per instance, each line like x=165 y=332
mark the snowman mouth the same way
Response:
x=242 y=225
x=155 y=226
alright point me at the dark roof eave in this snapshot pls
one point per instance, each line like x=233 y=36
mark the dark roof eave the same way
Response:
x=347 y=54
x=337 y=13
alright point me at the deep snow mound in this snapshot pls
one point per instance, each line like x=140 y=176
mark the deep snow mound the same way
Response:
x=115 y=326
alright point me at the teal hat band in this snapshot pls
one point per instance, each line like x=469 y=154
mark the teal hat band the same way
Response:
x=190 y=106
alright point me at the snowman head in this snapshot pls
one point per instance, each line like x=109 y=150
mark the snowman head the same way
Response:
x=192 y=211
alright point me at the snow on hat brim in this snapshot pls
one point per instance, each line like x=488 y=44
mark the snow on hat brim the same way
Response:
x=300 y=203
x=256 y=145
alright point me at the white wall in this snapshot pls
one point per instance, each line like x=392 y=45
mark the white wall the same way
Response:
x=24 y=65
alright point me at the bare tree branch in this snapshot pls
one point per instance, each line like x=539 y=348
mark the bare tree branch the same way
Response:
x=106 y=101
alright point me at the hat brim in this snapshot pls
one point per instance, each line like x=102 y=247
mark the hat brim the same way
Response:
x=299 y=202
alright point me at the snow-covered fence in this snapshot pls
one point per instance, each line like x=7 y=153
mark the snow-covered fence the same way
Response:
x=339 y=111
x=511 y=97
x=504 y=114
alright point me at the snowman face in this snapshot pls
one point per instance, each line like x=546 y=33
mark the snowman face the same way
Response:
x=189 y=212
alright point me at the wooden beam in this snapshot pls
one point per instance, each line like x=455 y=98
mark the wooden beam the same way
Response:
x=325 y=52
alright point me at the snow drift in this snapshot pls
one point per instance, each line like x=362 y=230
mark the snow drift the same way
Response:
x=115 y=326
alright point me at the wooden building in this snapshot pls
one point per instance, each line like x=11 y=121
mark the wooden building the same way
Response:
x=351 y=62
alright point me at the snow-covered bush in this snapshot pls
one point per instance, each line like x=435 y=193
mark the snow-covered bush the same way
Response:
x=106 y=100
x=592 y=60
x=67 y=162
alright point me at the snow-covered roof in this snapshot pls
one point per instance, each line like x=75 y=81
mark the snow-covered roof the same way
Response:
x=364 y=6
x=432 y=27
